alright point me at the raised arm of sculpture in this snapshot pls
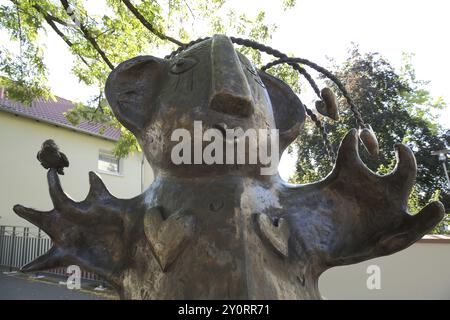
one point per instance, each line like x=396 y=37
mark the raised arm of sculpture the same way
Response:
x=354 y=214
x=92 y=233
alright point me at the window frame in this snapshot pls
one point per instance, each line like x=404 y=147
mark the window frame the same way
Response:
x=109 y=154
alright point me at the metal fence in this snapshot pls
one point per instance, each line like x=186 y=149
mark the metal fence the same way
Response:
x=21 y=245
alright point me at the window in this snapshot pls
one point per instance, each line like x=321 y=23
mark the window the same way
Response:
x=107 y=162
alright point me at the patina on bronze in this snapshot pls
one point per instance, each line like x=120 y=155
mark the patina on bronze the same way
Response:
x=225 y=231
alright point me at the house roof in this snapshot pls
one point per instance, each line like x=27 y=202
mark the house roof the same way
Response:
x=52 y=112
x=435 y=238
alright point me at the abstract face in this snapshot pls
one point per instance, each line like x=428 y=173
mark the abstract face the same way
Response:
x=210 y=83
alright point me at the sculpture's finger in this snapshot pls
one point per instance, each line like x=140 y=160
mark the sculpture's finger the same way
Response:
x=38 y=218
x=404 y=174
x=97 y=189
x=428 y=217
x=53 y=258
x=57 y=194
x=348 y=150
x=415 y=227
x=349 y=165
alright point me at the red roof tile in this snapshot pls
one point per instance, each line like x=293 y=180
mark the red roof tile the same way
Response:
x=435 y=238
x=53 y=112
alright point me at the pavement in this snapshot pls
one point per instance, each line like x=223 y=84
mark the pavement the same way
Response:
x=18 y=286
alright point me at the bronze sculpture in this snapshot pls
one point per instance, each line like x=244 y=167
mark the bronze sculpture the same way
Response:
x=225 y=231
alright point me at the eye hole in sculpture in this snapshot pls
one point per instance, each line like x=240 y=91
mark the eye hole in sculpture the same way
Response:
x=128 y=96
x=182 y=65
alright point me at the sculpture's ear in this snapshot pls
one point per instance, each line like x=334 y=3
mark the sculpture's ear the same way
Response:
x=288 y=110
x=132 y=88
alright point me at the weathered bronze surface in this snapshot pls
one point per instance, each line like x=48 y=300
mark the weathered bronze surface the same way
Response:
x=225 y=231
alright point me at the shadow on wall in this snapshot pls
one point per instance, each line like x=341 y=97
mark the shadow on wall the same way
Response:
x=420 y=272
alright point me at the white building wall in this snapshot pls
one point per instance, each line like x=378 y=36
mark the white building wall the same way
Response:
x=421 y=271
x=23 y=180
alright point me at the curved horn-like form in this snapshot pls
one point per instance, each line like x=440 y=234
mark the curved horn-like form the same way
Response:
x=402 y=178
x=348 y=151
x=53 y=258
x=414 y=228
x=39 y=218
x=57 y=194
x=363 y=214
x=97 y=188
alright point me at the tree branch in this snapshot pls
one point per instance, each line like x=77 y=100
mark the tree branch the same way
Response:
x=190 y=10
x=43 y=12
x=56 y=19
x=87 y=34
x=51 y=22
x=148 y=25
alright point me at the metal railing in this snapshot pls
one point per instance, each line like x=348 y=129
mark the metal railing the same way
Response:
x=21 y=245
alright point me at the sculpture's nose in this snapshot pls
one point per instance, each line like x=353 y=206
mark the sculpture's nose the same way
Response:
x=230 y=91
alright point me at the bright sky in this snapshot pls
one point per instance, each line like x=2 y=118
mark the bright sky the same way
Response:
x=317 y=29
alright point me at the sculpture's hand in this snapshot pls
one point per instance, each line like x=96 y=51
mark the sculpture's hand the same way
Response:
x=90 y=233
x=355 y=214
